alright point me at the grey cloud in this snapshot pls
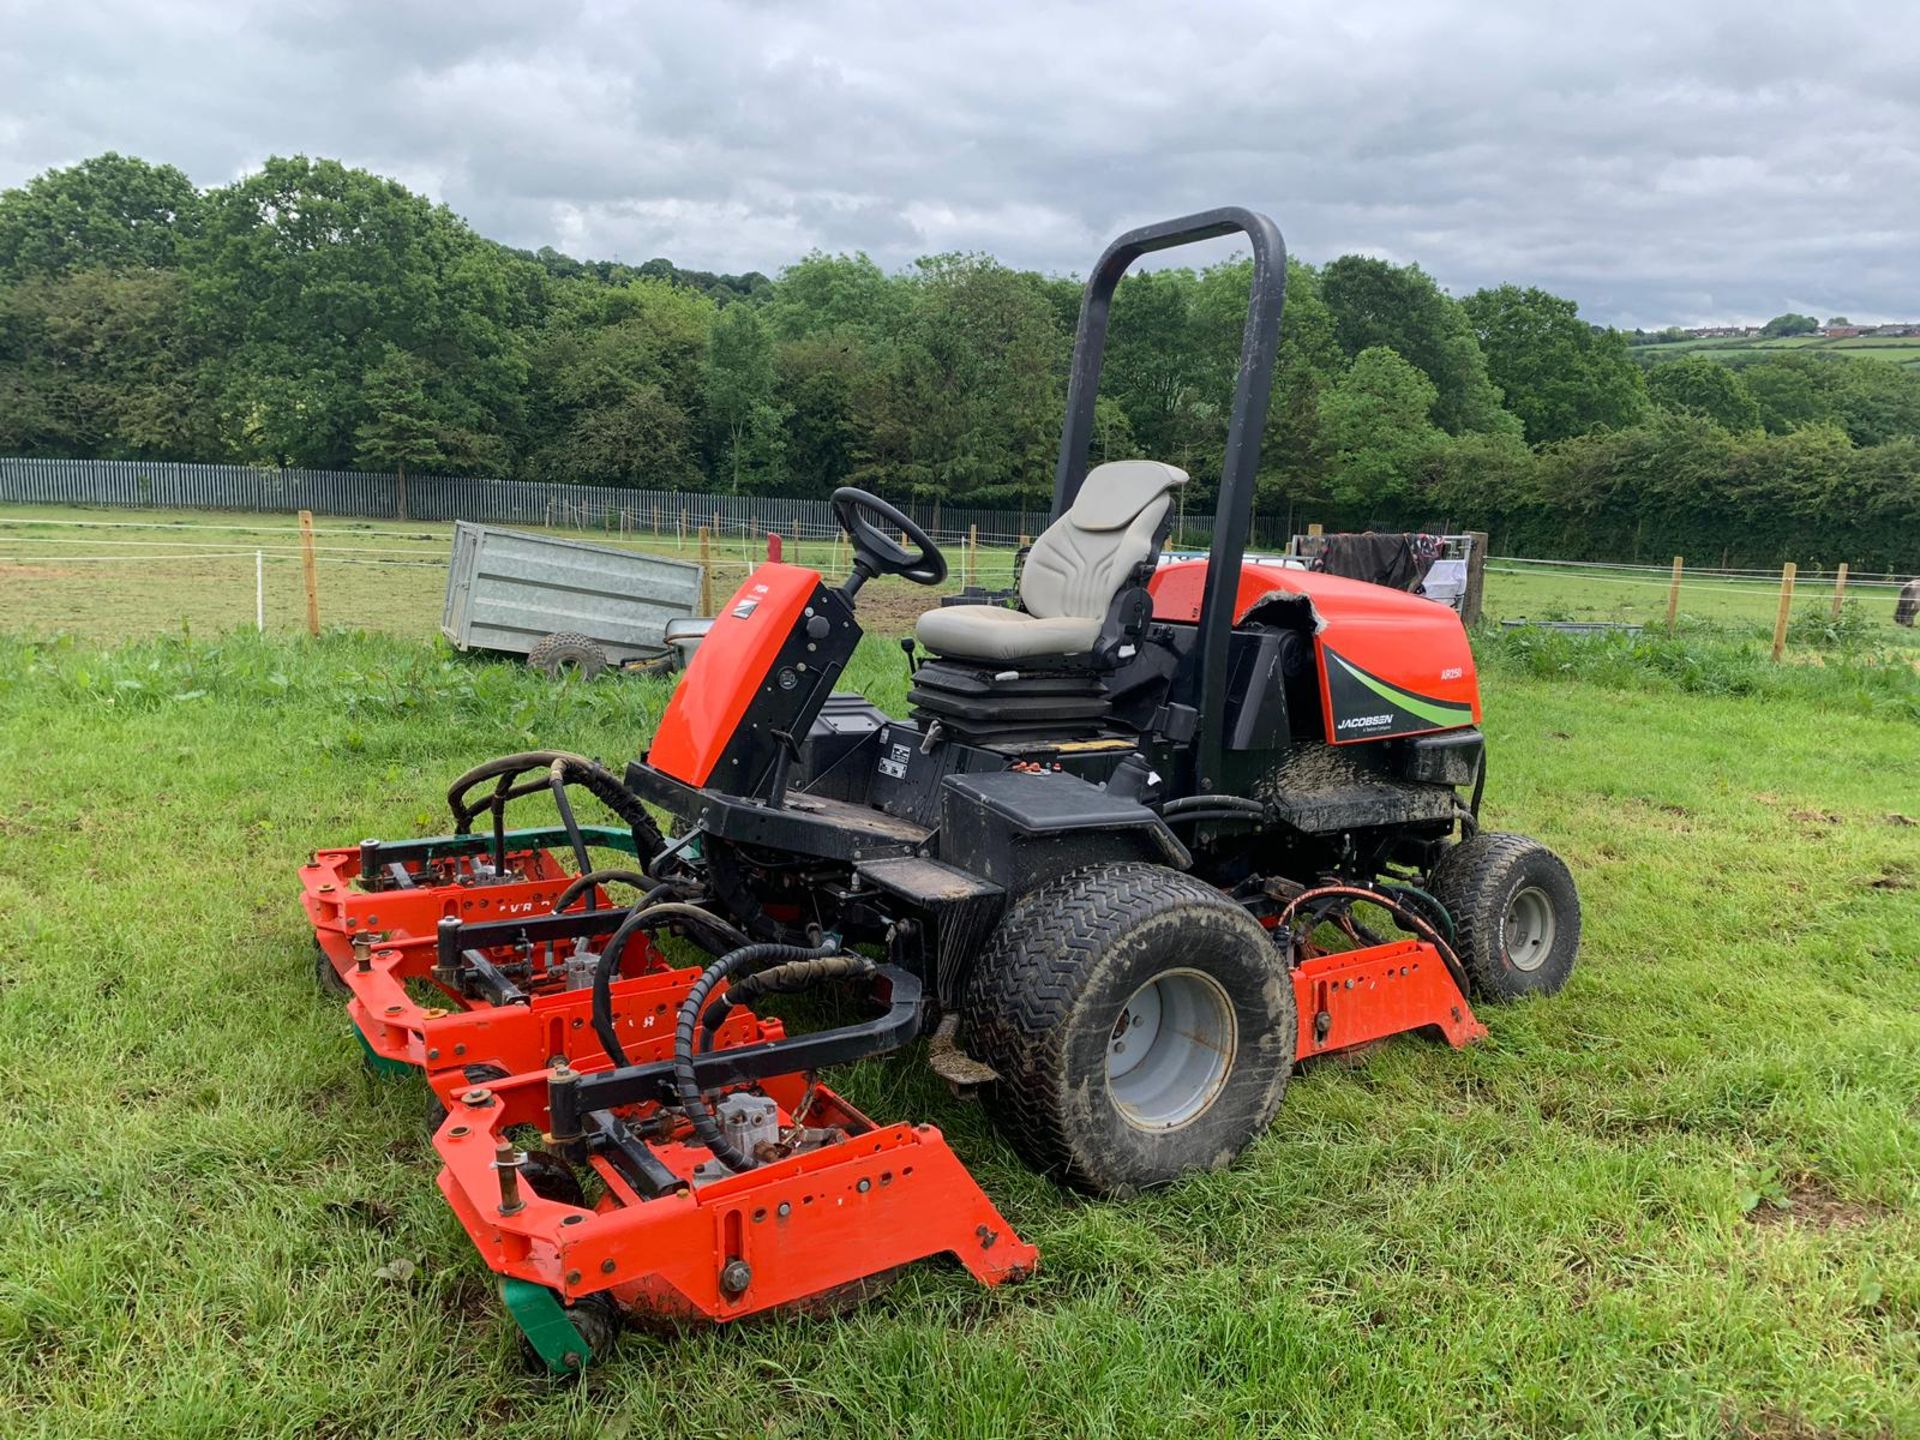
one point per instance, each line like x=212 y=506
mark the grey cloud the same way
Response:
x=1656 y=161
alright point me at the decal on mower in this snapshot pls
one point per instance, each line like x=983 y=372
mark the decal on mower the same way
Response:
x=894 y=763
x=1365 y=707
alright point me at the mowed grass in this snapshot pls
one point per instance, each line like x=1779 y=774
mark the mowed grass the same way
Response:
x=1680 y=1199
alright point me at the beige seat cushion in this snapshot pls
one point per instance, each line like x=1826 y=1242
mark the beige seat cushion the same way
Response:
x=987 y=632
x=1072 y=572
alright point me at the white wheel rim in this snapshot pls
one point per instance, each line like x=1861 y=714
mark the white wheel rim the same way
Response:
x=1170 y=1050
x=1526 y=935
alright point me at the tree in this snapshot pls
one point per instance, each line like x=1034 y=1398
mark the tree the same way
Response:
x=1695 y=385
x=750 y=449
x=305 y=272
x=1789 y=324
x=1375 y=303
x=111 y=212
x=1560 y=375
x=1838 y=320
x=400 y=428
x=1374 y=431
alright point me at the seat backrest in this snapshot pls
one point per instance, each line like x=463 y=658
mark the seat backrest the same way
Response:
x=1081 y=560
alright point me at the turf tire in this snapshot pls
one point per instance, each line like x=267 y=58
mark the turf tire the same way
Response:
x=556 y=654
x=326 y=977
x=1047 y=991
x=1478 y=881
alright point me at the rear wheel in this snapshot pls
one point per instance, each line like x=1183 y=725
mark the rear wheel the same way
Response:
x=556 y=654
x=1516 y=914
x=1140 y=1023
x=326 y=977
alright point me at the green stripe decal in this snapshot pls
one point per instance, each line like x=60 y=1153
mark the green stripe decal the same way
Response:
x=1439 y=712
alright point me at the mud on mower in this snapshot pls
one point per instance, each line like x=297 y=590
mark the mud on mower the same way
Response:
x=1141 y=845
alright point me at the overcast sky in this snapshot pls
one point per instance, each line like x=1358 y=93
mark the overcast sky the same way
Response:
x=1679 y=161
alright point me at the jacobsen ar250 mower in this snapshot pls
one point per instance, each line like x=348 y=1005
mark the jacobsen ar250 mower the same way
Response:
x=1120 y=859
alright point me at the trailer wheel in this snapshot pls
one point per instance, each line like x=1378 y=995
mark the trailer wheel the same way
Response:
x=556 y=654
x=1515 y=911
x=1141 y=1025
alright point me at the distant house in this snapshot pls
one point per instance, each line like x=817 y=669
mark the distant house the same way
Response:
x=1841 y=332
x=1903 y=327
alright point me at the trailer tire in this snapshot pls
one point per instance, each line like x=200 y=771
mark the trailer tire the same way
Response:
x=1077 y=964
x=555 y=654
x=1516 y=914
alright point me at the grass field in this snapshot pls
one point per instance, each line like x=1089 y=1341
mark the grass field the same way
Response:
x=1900 y=349
x=1681 y=1199
x=117 y=574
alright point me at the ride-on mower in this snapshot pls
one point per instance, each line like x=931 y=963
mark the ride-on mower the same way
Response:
x=1146 y=840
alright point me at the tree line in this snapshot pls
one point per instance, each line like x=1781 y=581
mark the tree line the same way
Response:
x=316 y=315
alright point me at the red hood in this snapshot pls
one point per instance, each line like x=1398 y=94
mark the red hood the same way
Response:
x=1391 y=663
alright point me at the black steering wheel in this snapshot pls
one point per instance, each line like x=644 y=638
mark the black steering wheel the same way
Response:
x=875 y=551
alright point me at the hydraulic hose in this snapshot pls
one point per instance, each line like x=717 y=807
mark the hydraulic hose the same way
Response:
x=1408 y=918
x=586 y=880
x=582 y=862
x=692 y=1103
x=651 y=912
x=605 y=786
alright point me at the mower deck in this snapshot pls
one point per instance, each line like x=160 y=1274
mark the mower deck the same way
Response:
x=669 y=1236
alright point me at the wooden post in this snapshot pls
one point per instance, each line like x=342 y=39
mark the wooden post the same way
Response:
x=1474 y=599
x=1673 y=594
x=1839 y=588
x=706 y=573
x=1787 y=572
x=656 y=519
x=307 y=568
x=973 y=554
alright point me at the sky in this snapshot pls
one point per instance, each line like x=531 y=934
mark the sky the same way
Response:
x=1680 y=162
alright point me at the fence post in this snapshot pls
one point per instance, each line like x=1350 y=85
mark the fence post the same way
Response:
x=1787 y=572
x=1474 y=599
x=1673 y=594
x=973 y=554
x=706 y=573
x=1316 y=528
x=260 y=591
x=1839 y=588
x=311 y=575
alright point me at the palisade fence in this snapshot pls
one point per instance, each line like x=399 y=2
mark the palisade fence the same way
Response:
x=172 y=485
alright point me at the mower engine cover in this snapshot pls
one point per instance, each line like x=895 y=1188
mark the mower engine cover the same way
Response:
x=1390 y=663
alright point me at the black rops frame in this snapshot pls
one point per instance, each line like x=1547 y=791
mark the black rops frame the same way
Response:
x=1233 y=520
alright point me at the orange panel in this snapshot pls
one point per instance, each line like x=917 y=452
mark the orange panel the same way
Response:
x=728 y=670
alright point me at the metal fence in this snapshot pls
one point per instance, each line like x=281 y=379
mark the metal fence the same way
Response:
x=172 y=485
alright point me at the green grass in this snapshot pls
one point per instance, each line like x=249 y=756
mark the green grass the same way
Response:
x=1681 y=1199
x=1900 y=349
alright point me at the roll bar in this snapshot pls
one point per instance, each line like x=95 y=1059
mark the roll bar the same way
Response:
x=1233 y=520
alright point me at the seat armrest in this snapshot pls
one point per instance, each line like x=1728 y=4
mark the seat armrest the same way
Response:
x=1123 y=627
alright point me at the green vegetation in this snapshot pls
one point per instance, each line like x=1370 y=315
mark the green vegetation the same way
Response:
x=312 y=314
x=1682 y=1198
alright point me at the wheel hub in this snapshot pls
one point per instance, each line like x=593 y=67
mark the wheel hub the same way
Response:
x=1528 y=931
x=1171 y=1050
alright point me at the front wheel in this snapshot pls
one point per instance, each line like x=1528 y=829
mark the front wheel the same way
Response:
x=1516 y=914
x=1140 y=1023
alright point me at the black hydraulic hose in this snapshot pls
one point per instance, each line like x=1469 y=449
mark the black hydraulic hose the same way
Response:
x=792 y=978
x=1238 y=804
x=605 y=786
x=649 y=913
x=582 y=862
x=591 y=878
x=1408 y=919
x=1472 y=827
x=692 y=1103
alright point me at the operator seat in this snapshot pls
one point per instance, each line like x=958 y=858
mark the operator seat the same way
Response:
x=1105 y=542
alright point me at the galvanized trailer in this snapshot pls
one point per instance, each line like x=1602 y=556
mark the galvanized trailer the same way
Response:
x=562 y=603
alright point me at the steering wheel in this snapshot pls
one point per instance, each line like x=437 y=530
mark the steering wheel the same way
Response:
x=875 y=550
